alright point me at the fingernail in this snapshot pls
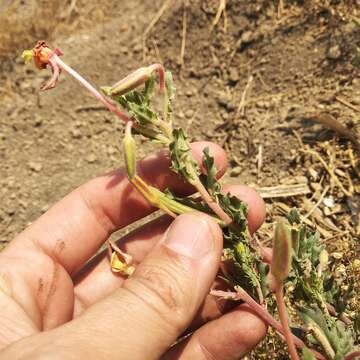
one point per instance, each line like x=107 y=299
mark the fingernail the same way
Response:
x=190 y=235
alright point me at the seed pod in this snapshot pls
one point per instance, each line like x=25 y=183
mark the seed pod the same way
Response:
x=129 y=83
x=282 y=252
x=129 y=151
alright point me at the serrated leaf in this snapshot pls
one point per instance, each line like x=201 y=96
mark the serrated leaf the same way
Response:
x=209 y=180
x=182 y=161
x=235 y=208
x=294 y=216
x=169 y=95
x=335 y=338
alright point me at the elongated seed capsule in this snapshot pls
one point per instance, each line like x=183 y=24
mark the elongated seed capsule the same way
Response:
x=282 y=252
x=129 y=83
x=129 y=146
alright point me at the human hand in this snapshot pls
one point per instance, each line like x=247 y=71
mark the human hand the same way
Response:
x=55 y=303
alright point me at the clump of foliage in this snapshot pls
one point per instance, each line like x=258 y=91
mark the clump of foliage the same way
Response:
x=299 y=263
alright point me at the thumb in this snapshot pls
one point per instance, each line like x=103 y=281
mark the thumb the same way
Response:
x=169 y=286
x=152 y=309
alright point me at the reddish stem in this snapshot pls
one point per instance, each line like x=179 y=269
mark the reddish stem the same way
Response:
x=91 y=88
x=284 y=321
x=352 y=356
x=161 y=72
x=341 y=316
x=214 y=206
x=263 y=314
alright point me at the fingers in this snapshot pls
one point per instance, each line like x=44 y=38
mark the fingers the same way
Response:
x=155 y=305
x=73 y=230
x=227 y=338
x=98 y=281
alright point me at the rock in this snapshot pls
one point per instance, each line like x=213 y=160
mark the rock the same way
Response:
x=34 y=166
x=236 y=171
x=329 y=202
x=189 y=92
x=337 y=255
x=334 y=52
x=38 y=121
x=234 y=75
x=247 y=37
x=91 y=158
x=223 y=98
x=76 y=133
x=189 y=113
x=137 y=48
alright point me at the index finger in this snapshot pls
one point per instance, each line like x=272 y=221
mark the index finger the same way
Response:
x=74 y=228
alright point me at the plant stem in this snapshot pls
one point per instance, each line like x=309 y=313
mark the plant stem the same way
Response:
x=279 y=294
x=91 y=88
x=241 y=294
x=341 y=316
x=352 y=356
x=161 y=72
x=213 y=205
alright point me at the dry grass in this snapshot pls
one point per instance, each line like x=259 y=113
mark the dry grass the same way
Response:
x=33 y=20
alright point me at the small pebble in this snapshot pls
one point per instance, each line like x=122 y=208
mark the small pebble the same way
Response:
x=236 y=171
x=91 y=158
x=189 y=113
x=247 y=37
x=137 y=48
x=334 y=53
x=34 y=166
x=234 y=75
x=76 y=133
x=337 y=255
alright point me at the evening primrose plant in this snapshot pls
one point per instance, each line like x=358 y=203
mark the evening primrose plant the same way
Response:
x=300 y=266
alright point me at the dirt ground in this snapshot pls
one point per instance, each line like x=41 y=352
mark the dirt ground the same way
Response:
x=271 y=88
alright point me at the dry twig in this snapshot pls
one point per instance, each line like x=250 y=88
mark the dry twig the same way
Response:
x=221 y=9
x=241 y=106
x=330 y=171
x=346 y=103
x=183 y=35
x=284 y=190
x=317 y=203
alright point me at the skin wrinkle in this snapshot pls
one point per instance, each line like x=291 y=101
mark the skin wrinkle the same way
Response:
x=38 y=319
x=166 y=288
x=99 y=215
x=165 y=319
x=51 y=292
x=204 y=350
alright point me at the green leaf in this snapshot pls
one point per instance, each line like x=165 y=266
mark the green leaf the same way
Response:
x=307 y=354
x=209 y=180
x=149 y=89
x=170 y=86
x=294 y=216
x=170 y=90
x=182 y=161
x=236 y=209
x=129 y=146
x=333 y=335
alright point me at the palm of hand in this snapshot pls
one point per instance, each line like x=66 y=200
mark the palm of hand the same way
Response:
x=47 y=281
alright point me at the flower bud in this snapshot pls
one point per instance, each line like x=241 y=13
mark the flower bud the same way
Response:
x=129 y=83
x=282 y=252
x=129 y=152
